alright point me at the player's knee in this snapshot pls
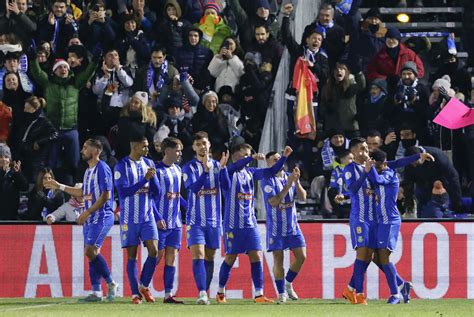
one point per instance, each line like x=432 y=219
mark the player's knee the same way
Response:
x=90 y=253
x=153 y=252
x=301 y=258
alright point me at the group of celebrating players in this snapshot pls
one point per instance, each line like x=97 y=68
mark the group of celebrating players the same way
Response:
x=150 y=213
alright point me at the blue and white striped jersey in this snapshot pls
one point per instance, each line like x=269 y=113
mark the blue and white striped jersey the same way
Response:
x=362 y=193
x=204 y=193
x=168 y=203
x=281 y=220
x=135 y=196
x=239 y=210
x=97 y=180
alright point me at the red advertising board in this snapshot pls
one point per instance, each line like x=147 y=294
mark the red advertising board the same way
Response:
x=48 y=261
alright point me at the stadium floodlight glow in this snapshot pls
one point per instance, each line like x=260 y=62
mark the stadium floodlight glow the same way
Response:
x=403 y=18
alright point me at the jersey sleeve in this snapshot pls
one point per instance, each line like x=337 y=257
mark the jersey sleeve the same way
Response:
x=120 y=175
x=353 y=184
x=261 y=173
x=104 y=178
x=268 y=188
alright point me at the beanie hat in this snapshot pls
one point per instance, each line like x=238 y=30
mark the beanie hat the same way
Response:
x=373 y=13
x=382 y=84
x=5 y=151
x=60 y=62
x=444 y=82
x=212 y=5
x=172 y=102
x=410 y=66
x=208 y=94
x=393 y=33
x=335 y=131
x=262 y=4
x=142 y=96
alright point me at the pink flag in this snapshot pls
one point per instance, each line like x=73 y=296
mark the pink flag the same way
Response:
x=455 y=115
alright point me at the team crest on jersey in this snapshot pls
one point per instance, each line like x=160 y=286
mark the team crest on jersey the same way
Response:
x=229 y=244
x=125 y=227
x=348 y=175
x=216 y=170
x=271 y=241
x=185 y=177
x=268 y=189
x=117 y=175
x=359 y=230
x=124 y=236
x=360 y=239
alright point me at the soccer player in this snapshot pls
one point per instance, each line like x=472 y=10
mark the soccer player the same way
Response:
x=168 y=207
x=202 y=178
x=283 y=232
x=240 y=225
x=388 y=217
x=136 y=185
x=97 y=218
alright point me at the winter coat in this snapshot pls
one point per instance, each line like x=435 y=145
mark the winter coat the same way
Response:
x=11 y=183
x=226 y=71
x=197 y=59
x=171 y=34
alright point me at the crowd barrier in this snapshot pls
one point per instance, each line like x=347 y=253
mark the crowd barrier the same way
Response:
x=48 y=261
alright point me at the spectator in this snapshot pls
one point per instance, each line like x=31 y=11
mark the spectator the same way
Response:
x=42 y=201
x=396 y=147
x=269 y=48
x=136 y=117
x=160 y=135
x=12 y=182
x=144 y=17
x=333 y=145
x=210 y=119
x=12 y=65
x=195 y=59
x=57 y=28
x=226 y=66
x=37 y=135
x=338 y=101
x=259 y=16
x=390 y=60
x=112 y=85
x=132 y=45
x=16 y=21
x=170 y=31
x=213 y=27
x=372 y=114
x=61 y=90
x=97 y=27
x=438 y=206
x=69 y=211
x=374 y=140
x=5 y=120
x=423 y=176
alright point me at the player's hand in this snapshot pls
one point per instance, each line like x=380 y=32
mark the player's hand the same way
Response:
x=426 y=157
x=16 y=166
x=150 y=173
x=339 y=198
x=83 y=217
x=287 y=151
x=391 y=137
x=161 y=225
x=49 y=220
x=368 y=165
x=51 y=184
x=224 y=159
x=258 y=156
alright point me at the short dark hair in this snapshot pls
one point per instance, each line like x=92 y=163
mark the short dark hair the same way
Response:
x=356 y=141
x=158 y=49
x=137 y=138
x=270 y=154
x=170 y=142
x=379 y=155
x=200 y=135
x=342 y=155
x=374 y=133
x=407 y=126
x=412 y=150
x=95 y=142
x=236 y=148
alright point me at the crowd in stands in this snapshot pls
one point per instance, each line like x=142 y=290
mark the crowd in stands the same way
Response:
x=75 y=69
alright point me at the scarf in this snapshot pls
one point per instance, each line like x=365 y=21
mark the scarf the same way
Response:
x=327 y=27
x=344 y=6
x=374 y=99
x=310 y=56
x=162 y=76
x=329 y=155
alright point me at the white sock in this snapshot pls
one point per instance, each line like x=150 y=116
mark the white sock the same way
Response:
x=168 y=295
x=259 y=293
x=396 y=295
x=221 y=290
x=202 y=293
x=350 y=288
x=97 y=293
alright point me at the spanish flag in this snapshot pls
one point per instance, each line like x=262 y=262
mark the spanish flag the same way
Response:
x=305 y=83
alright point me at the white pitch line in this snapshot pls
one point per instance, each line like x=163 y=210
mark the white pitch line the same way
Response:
x=34 y=306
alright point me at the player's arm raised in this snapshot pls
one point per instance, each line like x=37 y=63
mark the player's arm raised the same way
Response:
x=300 y=191
x=73 y=191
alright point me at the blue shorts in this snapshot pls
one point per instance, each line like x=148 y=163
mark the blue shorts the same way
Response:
x=363 y=234
x=242 y=240
x=208 y=236
x=279 y=243
x=169 y=238
x=387 y=236
x=131 y=234
x=95 y=234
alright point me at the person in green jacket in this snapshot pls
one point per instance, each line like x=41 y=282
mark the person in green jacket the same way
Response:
x=61 y=90
x=213 y=27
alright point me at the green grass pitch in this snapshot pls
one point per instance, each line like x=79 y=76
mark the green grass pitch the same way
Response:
x=242 y=308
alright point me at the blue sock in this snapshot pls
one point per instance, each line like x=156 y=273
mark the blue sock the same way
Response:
x=101 y=267
x=95 y=279
x=224 y=274
x=209 y=265
x=257 y=275
x=351 y=282
x=132 y=272
x=290 y=276
x=168 y=277
x=148 y=270
x=199 y=272
x=400 y=281
x=280 y=284
x=358 y=275
x=391 y=273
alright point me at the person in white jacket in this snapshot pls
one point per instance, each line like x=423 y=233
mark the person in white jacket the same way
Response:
x=226 y=66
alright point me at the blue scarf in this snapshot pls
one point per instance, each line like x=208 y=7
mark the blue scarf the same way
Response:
x=161 y=76
x=344 y=6
x=376 y=98
x=327 y=154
